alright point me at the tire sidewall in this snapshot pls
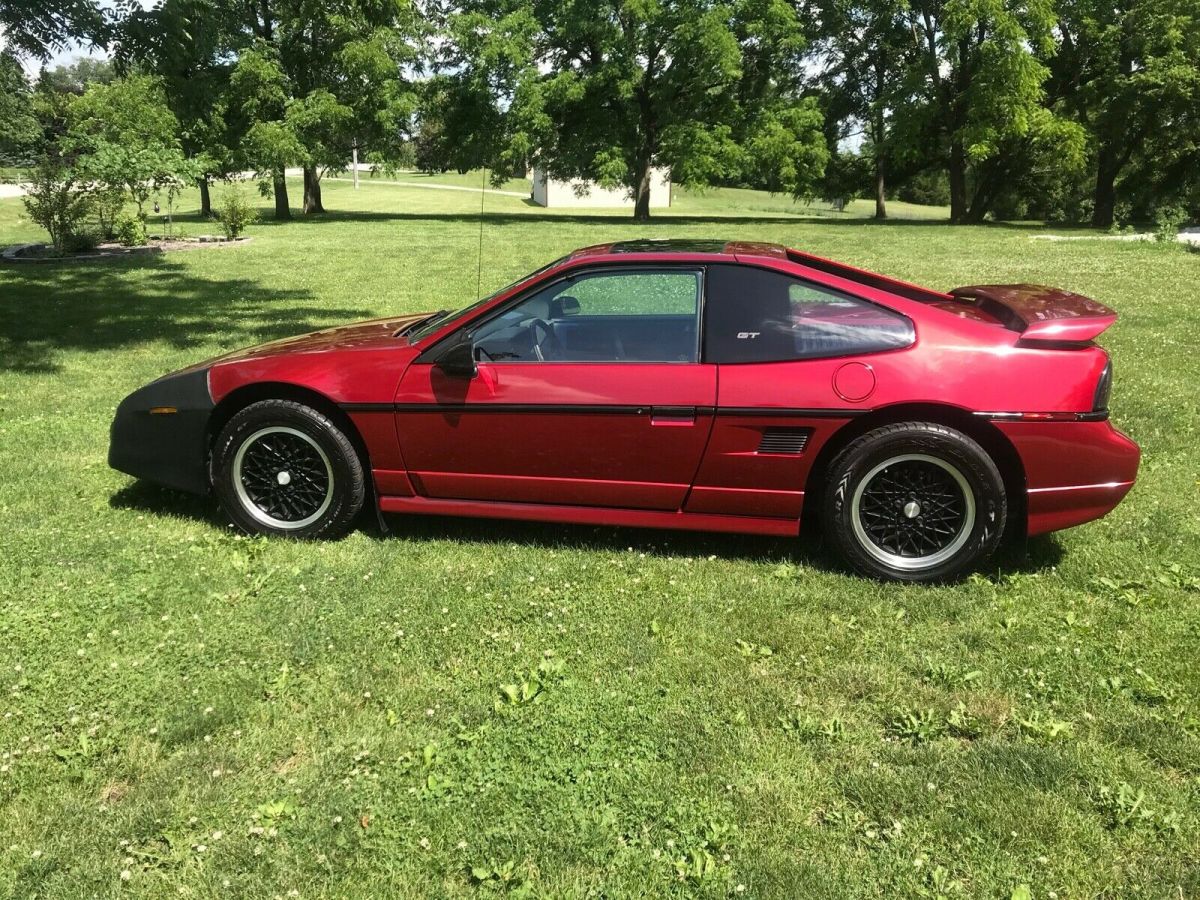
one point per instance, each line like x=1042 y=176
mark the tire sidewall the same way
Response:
x=946 y=444
x=347 y=470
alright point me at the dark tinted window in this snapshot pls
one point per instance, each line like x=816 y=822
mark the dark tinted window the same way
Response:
x=756 y=315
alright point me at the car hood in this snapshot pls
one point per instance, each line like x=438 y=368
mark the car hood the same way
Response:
x=375 y=333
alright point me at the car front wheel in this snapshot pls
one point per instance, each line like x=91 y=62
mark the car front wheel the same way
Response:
x=914 y=502
x=280 y=467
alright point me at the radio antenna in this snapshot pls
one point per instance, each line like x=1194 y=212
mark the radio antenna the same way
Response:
x=479 y=266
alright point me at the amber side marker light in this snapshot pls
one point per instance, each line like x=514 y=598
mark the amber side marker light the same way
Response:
x=163 y=410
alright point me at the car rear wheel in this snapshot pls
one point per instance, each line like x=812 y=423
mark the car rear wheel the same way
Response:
x=280 y=467
x=914 y=501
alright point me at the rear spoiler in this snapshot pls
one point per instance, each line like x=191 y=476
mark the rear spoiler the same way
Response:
x=1040 y=313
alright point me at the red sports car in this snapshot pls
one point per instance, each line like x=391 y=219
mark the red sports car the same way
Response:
x=711 y=385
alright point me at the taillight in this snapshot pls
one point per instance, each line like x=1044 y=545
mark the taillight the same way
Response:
x=1103 y=387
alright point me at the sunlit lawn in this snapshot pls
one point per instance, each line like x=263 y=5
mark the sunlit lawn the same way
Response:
x=206 y=715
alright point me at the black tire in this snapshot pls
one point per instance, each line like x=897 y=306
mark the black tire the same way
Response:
x=280 y=467
x=915 y=502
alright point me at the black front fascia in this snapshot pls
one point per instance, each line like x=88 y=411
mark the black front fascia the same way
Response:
x=169 y=448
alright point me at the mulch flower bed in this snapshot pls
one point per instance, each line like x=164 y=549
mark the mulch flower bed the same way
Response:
x=44 y=253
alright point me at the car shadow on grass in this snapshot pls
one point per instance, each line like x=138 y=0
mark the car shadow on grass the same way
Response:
x=654 y=542
x=809 y=550
x=102 y=306
x=144 y=497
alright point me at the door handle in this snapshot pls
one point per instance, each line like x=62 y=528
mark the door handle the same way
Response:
x=673 y=415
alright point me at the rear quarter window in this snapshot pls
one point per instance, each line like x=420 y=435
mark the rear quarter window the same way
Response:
x=759 y=315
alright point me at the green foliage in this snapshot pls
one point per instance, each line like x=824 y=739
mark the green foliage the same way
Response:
x=311 y=102
x=20 y=131
x=235 y=211
x=1133 y=78
x=1124 y=806
x=82 y=240
x=126 y=137
x=608 y=92
x=917 y=726
x=40 y=28
x=55 y=200
x=975 y=86
x=108 y=202
x=131 y=231
x=926 y=188
x=1167 y=222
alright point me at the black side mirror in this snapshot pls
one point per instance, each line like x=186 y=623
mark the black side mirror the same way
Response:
x=458 y=359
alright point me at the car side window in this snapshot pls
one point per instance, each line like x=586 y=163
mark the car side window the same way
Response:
x=645 y=315
x=758 y=315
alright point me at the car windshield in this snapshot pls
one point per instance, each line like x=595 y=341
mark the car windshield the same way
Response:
x=437 y=320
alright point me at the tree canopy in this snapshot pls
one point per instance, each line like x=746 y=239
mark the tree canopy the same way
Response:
x=608 y=91
x=1079 y=110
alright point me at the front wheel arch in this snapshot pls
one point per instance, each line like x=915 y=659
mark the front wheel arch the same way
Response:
x=237 y=400
x=983 y=432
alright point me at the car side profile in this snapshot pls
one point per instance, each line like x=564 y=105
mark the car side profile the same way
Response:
x=707 y=385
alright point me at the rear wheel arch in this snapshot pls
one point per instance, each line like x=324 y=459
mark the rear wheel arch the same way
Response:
x=237 y=400
x=983 y=432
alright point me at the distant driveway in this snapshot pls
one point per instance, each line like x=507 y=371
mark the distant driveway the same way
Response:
x=366 y=179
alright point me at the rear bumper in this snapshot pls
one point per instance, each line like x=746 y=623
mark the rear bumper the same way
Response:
x=1074 y=471
x=168 y=448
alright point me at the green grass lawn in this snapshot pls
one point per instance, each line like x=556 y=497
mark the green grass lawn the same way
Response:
x=467 y=708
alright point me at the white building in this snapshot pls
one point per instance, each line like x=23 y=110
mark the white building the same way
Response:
x=551 y=192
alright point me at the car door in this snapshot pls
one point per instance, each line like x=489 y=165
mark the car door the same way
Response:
x=587 y=391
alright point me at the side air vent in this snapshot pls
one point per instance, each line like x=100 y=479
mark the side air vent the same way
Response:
x=784 y=440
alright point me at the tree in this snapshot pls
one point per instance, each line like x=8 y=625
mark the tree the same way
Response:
x=191 y=45
x=976 y=83
x=20 y=131
x=339 y=71
x=486 y=57
x=866 y=47
x=611 y=90
x=258 y=104
x=39 y=28
x=56 y=201
x=126 y=138
x=1130 y=71
x=77 y=76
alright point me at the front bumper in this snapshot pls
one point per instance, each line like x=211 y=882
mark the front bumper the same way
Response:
x=1074 y=471
x=149 y=441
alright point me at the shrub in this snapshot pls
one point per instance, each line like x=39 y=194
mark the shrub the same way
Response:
x=108 y=202
x=54 y=200
x=1167 y=222
x=131 y=231
x=931 y=188
x=85 y=240
x=235 y=212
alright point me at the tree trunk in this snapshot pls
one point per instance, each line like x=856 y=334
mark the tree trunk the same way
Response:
x=878 y=136
x=281 y=195
x=641 y=197
x=1105 y=208
x=958 y=182
x=880 y=187
x=205 y=198
x=312 y=191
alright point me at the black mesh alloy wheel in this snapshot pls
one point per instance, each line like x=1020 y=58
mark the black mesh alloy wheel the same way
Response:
x=916 y=501
x=280 y=467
